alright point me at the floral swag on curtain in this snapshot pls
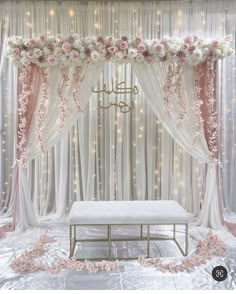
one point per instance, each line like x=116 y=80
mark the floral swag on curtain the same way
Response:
x=178 y=77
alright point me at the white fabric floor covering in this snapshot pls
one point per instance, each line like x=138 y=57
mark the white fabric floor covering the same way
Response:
x=130 y=275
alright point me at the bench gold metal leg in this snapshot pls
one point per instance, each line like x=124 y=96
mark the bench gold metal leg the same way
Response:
x=141 y=231
x=109 y=239
x=70 y=233
x=148 y=240
x=186 y=239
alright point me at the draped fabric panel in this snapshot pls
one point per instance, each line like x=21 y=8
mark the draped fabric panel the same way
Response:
x=207 y=18
x=147 y=74
x=107 y=149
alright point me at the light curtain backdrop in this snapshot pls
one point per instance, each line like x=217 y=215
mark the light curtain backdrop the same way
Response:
x=108 y=155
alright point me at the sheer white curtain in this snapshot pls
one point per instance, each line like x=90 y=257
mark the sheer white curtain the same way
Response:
x=153 y=20
x=153 y=78
x=25 y=212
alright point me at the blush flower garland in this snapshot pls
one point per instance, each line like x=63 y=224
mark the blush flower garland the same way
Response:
x=24 y=97
x=212 y=114
x=77 y=79
x=43 y=103
x=51 y=50
x=206 y=249
x=60 y=89
x=25 y=262
x=197 y=102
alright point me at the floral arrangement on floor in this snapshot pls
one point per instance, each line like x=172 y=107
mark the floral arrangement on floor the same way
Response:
x=206 y=249
x=73 y=50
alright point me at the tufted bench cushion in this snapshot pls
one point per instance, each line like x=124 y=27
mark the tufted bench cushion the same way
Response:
x=127 y=212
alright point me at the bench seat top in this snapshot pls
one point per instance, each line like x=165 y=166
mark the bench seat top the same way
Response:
x=127 y=212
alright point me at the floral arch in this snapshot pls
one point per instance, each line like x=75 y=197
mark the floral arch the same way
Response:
x=177 y=75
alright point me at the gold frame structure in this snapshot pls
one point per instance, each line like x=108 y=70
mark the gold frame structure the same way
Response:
x=109 y=239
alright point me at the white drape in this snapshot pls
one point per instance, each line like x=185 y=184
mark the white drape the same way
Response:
x=50 y=135
x=25 y=213
x=152 y=78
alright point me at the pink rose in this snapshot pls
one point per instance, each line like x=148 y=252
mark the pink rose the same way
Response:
x=102 y=52
x=99 y=45
x=16 y=52
x=31 y=42
x=141 y=47
x=123 y=45
x=70 y=39
x=100 y=39
x=37 y=52
x=87 y=51
x=42 y=38
x=57 y=52
x=30 y=54
x=215 y=43
x=188 y=39
x=50 y=46
x=112 y=50
x=66 y=47
x=59 y=38
x=108 y=56
x=74 y=55
x=110 y=39
x=138 y=40
x=149 y=59
x=191 y=48
x=42 y=59
x=124 y=38
x=52 y=60
x=210 y=53
x=159 y=48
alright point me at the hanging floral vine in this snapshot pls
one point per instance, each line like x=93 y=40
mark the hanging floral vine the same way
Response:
x=168 y=89
x=24 y=97
x=177 y=89
x=43 y=101
x=77 y=79
x=197 y=102
x=60 y=89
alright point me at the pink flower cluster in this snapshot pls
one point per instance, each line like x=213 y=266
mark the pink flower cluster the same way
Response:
x=206 y=249
x=60 y=90
x=212 y=114
x=26 y=263
x=197 y=102
x=41 y=113
x=77 y=79
x=24 y=98
x=51 y=50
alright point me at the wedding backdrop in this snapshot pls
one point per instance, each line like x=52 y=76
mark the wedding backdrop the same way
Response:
x=170 y=135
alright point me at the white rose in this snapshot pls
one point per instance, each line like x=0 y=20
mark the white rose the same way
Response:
x=95 y=56
x=132 y=53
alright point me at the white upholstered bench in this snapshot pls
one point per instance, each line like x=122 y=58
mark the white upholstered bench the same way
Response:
x=112 y=213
